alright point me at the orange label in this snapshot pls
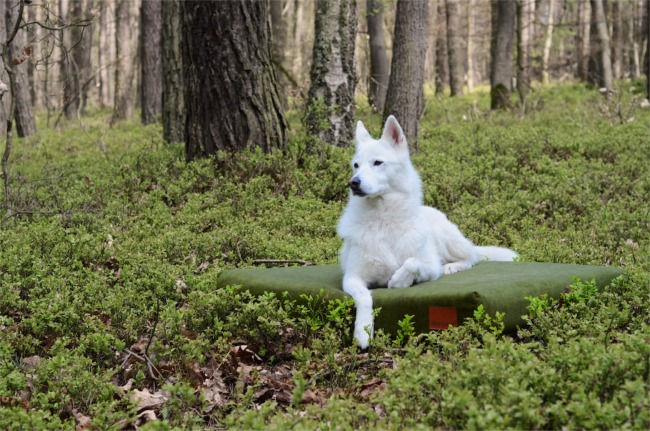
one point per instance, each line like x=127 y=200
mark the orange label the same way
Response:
x=442 y=317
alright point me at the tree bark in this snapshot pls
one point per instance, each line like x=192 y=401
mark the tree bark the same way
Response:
x=23 y=111
x=470 y=45
x=76 y=59
x=151 y=81
x=124 y=70
x=646 y=36
x=330 y=112
x=503 y=32
x=405 y=96
x=548 y=40
x=279 y=35
x=600 y=68
x=454 y=47
x=442 y=59
x=525 y=17
x=173 y=101
x=584 y=17
x=379 y=71
x=231 y=97
x=617 y=39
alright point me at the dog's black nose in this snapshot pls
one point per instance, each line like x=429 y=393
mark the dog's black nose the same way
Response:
x=355 y=183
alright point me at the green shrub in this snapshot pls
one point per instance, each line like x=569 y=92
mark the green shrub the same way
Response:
x=117 y=244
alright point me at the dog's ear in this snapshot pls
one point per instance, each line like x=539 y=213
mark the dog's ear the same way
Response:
x=361 y=132
x=393 y=133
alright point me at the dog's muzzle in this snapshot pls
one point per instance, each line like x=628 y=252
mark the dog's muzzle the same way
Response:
x=355 y=186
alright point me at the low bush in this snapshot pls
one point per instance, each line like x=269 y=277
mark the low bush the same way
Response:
x=110 y=314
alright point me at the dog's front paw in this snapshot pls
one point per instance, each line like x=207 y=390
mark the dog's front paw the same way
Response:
x=362 y=337
x=454 y=267
x=401 y=279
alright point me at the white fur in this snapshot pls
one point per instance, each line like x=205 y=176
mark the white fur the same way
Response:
x=389 y=238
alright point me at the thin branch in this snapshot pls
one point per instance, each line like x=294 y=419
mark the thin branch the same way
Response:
x=14 y=31
x=82 y=23
x=282 y=262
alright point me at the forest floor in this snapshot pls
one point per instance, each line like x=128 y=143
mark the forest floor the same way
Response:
x=110 y=315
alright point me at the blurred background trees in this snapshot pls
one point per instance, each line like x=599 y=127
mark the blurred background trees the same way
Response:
x=72 y=56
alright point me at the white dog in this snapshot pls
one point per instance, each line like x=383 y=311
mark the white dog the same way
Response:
x=389 y=238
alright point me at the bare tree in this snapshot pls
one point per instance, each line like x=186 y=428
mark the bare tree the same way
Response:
x=125 y=70
x=645 y=31
x=405 y=97
x=442 y=59
x=617 y=39
x=151 y=58
x=330 y=111
x=525 y=18
x=280 y=26
x=230 y=87
x=76 y=69
x=18 y=53
x=454 y=46
x=379 y=71
x=503 y=32
x=600 y=65
x=173 y=101
x=548 y=40
x=470 y=45
x=583 y=39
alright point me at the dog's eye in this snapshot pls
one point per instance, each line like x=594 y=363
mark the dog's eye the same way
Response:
x=378 y=163
x=356 y=166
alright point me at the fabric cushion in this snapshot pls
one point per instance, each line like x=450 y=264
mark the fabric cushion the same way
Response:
x=498 y=286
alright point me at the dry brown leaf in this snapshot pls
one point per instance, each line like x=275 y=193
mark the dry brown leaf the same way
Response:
x=31 y=362
x=24 y=56
x=82 y=421
x=310 y=397
x=147 y=401
x=147 y=416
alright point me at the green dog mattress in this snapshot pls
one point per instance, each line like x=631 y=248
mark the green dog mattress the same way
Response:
x=498 y=286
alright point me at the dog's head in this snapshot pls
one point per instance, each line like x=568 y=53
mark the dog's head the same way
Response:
x=380 y=165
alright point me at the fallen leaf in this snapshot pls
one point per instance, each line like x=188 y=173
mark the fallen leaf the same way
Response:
x=146 y=400
x=148 y=415
x=31 y=362
x=26 y=53
x=82 y=421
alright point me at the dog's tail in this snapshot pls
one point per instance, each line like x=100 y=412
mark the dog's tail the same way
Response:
x=496 y=253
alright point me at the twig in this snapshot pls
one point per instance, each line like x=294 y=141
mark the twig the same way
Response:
x=143 y=358
x=282 y=262
x=153 y=328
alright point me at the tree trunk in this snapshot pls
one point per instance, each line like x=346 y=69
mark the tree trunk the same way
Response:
x=173 y=102
x=23 y=111
x=548 y=40
x=151 y=81
x=442 y=59
x=584 y=17
x=405 y=96
x=69 y=11
x=617 y=39
x=231 y=97
x=5 y=85
x=279 y=35
x=503 y=35
x=470 y=45
x=646 y=36
x=525 y=17
x=75 y=62
x=601 y=72
x=454 y=46
x=379 y=71
x=330 y=111
x=124 y=70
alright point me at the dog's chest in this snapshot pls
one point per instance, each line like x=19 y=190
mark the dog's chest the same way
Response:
x=383 y=247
